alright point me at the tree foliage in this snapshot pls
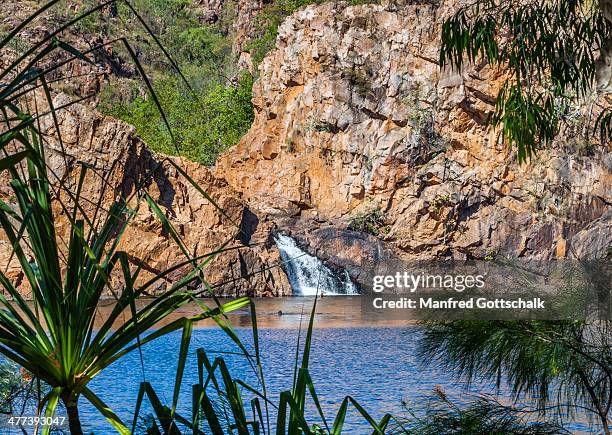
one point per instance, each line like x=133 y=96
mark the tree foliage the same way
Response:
x=209 y=115
x=204 y=124
x=484 y=415
x=67 y=246
x=550 y=52
x=565 y=367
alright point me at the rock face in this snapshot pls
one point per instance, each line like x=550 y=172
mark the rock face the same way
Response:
x=361 y=149
x=354 y=116
x=119 y=161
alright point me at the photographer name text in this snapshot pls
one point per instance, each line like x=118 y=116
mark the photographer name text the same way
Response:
x=452 y=303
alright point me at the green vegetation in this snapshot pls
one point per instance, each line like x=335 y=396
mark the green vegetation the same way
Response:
x=177 y=24
x=490 y=255
x=483 y=415
x=552 y=53
x=20 y=392
x=359 y=80
x=203 y=125
x=584 y=147
x=370 y=221
x=208 y=116
x=56 y=337
x=563 y=368
x=219 y=407
x=216 y=112
x=439 y=201
x=422 y=120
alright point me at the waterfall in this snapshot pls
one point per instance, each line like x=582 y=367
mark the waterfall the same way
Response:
x=307 y=273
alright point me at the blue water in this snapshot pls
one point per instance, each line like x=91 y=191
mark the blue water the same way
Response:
x=375 y=365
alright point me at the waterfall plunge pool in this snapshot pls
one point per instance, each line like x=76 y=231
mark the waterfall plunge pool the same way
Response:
x=372 y=359
x=377 y=365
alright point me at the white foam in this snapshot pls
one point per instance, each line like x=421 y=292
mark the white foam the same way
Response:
x=307 y=273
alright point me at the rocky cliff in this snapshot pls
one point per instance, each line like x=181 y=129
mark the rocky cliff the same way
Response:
x=117 y=161
x=355 y=119
x=362 y=149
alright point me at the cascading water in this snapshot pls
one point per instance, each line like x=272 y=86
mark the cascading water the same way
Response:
x=307 y=273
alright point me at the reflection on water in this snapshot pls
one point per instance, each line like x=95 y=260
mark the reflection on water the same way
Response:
x=351 y=355
x=332 y=312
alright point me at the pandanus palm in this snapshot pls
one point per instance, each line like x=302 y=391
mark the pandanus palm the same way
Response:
x=57 y=336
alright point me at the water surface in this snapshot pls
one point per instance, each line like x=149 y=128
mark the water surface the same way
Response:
x=372 y=360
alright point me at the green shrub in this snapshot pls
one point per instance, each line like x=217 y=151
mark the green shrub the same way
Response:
x=202 y=46
x=219 y=114
x=204 y=124
x=206 y=121
x=370 y=221
x=421 y=117
x=439 y=202
x=359 y=81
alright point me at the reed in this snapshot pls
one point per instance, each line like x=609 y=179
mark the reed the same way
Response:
x=218 y=405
